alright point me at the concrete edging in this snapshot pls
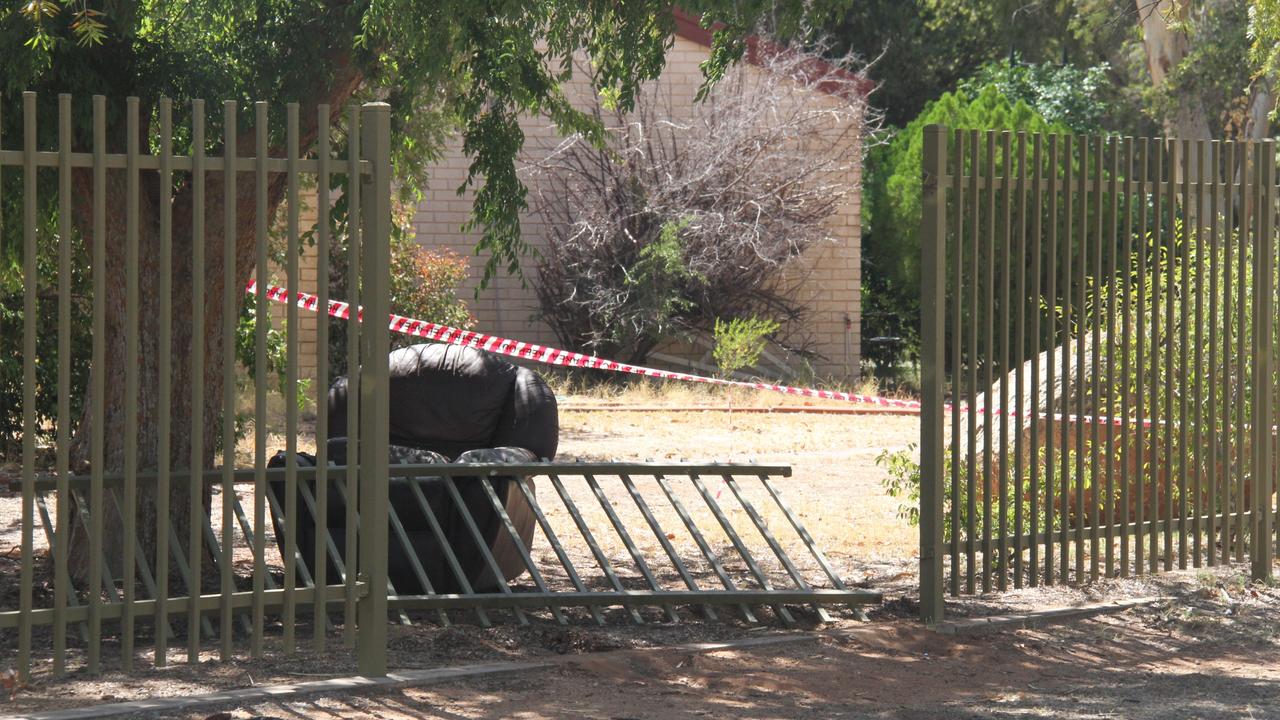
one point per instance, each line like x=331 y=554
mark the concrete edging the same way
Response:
x=1038 y=618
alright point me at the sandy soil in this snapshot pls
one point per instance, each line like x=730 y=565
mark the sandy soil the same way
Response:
x=1209 y=650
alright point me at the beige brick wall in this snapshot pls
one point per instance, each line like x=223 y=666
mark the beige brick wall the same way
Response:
x=508 y=309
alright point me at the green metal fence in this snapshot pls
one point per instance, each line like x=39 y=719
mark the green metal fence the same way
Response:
x=162 y=233
x=1099 y=376
x=128 y=553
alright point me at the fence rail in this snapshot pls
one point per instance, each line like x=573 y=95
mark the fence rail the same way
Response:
x=1098 y=370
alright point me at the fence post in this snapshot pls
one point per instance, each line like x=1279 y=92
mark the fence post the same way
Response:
x=374 y=391
x=1262 y=380
x=933 y=232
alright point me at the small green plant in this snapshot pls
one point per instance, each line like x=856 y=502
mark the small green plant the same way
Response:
x=902 y=480
x=277 y=352
x=740 y=341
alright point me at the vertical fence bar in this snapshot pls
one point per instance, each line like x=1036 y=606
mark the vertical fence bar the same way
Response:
x=1157 y=247
x=972 y=358
x=321 y=564
x=1077 y=376
x=262 y=322
x=1229 y=447
x=1242 y=246
x=1171 y=288
x=1139 y=548
x=62 y=591
x=957 y=295
x=291 y=383
x=1006 y=250
x=1126 y=359
x=165 y=389
x=1070 y=376
x=1215 y=426
x=1197 y=506
x=229 y=319
x=374 y=389
x=987 y=313
x=352 y=478
x=1264 y=303
x=195 y=508
x=130 y=510
x=1037 y=191
x=1051 y=388
x=97 y=383
x=933 y=233
x=30 y=283
x=1113 y=209
x=1019 y=350
x=1184 y=338
x=1096 y=390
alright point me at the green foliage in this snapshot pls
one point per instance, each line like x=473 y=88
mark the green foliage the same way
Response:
x=471 y=66
x=424 y=286
x=656 y=283
x=1218 y=67
x=277 y=351
x=1061 y=94
x=46 y=323
x=891 y=245
x=740 y=341
x=1264 y=36
x=1172 y=279
x=923 y=48
x=902 y=480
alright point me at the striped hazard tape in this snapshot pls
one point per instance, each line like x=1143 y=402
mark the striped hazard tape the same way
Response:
x=565 y=358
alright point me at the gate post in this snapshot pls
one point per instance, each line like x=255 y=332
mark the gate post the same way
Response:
x=374 y=405
x=933 y=233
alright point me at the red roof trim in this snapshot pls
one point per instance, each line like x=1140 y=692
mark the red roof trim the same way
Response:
x=690 y=28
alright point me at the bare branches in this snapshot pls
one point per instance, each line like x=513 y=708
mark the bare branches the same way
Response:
x=693 y=212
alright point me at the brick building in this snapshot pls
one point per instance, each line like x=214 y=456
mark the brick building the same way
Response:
x=831 y=290
x=506 y=308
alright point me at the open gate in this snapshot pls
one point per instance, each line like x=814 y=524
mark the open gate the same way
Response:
x=1098 y=365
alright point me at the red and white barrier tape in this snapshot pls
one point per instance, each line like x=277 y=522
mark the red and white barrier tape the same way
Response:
x=553 y=356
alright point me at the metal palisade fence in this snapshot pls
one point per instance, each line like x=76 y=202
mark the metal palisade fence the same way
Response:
x=141 y=246
x=136 y=542
x=1099 y=371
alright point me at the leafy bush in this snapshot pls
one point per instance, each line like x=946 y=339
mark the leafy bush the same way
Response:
x=739 y=342
x=277 y=358
x=1157 y=281
x=1063 y=95
x=891 y=220
x=11 y=330
x=424 y=286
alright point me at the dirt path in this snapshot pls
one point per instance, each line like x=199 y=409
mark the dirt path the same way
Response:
x=1175 y=659
x=1211 y=651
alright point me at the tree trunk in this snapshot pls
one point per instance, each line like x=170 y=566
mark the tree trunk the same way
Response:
x=1262 y=100
x=343 y=83
x=1166 y=47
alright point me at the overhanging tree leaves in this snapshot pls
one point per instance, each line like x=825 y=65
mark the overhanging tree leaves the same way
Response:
x=442 y=64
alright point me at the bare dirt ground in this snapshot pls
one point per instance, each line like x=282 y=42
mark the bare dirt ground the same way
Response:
x=1207 y=651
